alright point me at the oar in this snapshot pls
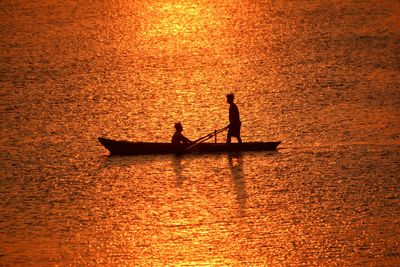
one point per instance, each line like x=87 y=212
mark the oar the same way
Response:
x=208 y=136
x=204 y=138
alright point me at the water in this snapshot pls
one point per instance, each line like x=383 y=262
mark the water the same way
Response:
x=322 y=76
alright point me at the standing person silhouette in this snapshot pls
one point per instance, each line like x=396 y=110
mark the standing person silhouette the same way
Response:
x=234 y=120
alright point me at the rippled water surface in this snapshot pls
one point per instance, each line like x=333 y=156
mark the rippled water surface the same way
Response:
x=321 y=76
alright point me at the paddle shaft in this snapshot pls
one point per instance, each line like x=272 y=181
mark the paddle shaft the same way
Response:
x=204 y=138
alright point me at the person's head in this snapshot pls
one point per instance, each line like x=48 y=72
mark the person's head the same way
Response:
x=178 y=127
x=230 y=98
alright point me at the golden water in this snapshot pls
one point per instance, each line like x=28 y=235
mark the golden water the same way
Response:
x=322 y=76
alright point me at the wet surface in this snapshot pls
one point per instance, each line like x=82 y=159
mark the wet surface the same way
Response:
x=321 y=76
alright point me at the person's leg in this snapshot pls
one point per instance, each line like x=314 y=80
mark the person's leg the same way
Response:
x=238 y=134
x=228 y=138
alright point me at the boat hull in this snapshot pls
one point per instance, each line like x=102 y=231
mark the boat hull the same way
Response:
x=116 y=147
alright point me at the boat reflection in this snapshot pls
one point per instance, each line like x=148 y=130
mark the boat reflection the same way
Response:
x=177 y=169
x=129 y=161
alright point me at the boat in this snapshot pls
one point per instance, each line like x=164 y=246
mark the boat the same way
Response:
x=121 y=147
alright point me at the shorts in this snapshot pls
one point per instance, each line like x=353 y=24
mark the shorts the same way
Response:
x=234 y=130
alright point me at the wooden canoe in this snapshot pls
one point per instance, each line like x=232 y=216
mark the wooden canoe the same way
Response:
x=145 y=148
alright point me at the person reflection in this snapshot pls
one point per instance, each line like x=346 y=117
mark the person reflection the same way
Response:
x=235 y=162
x=178 y=168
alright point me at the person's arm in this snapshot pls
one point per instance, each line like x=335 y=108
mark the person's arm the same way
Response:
x=185 y=140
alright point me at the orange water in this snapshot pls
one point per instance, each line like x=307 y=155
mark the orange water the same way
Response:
x=322 y=76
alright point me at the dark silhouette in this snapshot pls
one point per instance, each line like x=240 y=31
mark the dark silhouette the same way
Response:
x=178 y=138
x=234 y=120
x=235 y=162
x=178 y=170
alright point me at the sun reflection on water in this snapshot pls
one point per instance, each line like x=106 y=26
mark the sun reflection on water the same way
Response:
x=179 y=22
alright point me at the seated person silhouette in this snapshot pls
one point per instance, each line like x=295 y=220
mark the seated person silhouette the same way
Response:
x=178 y=138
